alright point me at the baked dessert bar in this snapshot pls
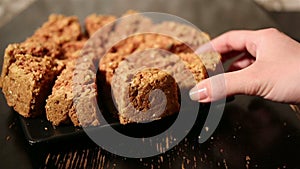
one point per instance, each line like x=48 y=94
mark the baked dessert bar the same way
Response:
x=31 y=67
x=49 y=74
x=28 y=81
x=94 y=22
x=120 y=65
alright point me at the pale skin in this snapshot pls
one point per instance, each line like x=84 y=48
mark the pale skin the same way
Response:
x=270 y=67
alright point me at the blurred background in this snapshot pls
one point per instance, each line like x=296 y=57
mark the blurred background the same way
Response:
x=280 y=5
x=284 y=13
x=9 y=8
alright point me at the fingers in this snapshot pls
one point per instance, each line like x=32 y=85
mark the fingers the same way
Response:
x=247 y=80
x=236 y=41
x=230 y=55
x=241 y=63
x=228 y=84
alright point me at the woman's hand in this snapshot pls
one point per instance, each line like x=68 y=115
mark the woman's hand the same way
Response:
x=270 y=67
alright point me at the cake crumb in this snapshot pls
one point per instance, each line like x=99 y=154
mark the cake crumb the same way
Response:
x=11 y=125
x=8 y=138
x=247 y=161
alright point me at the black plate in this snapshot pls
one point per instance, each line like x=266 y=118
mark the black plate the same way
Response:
x=40 y=130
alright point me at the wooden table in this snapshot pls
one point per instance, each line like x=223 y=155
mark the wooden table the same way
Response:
x=259 y=135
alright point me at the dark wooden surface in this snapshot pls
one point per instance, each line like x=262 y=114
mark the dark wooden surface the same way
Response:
x=253 y=133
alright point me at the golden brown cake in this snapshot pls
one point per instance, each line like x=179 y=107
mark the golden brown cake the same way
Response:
x=49 y=74
x=120 y=65
x=94 y=22
x=31 y=67
x=59 y=29
x=28 y=82
x=59 y=107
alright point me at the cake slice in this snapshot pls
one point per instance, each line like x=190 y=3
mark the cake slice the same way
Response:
x=146 y=101
x=31 y=67
x=125 y=70
x=186 y=34
x=60 y=107
x=58 y=29
x=109 y=63
x=51 y=65
x=94 y=22
x=73 y=96
x=32 y=48
x=28 y=82
x=60 y=102
x=137 y=77
x=28 y=73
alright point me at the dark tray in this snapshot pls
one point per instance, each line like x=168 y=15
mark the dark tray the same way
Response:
x=40 y=130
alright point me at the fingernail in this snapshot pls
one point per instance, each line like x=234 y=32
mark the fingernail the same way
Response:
x=197 y=94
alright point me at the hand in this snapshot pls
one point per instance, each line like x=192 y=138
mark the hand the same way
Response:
x=270 y=67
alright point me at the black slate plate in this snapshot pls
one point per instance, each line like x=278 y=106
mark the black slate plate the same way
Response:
x=40 y=130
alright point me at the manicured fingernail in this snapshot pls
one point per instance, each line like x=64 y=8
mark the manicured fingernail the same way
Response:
x=198 y=94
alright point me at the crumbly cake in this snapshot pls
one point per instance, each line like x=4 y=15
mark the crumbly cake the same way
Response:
x=59 y=29
x=210 y=60
x=176 y=65
x=68 y=89
x=28 y=82
x=187 y=34
x=32 y=66
x=143 y=83
x=59 y=107
x=136 y=43
x=164 y=36
x=94 y=22
x=32 y=48
x=132 y=23
x=50 y=66
x=195 y=65
x=71 y=50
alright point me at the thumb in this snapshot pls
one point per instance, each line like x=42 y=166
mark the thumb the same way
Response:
x=222 y=85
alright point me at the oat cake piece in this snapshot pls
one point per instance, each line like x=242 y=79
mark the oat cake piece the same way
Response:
x=144 y=100
x=67 y=102
x=33 y=48
x=143 y=72
x=59 y=105
x=176 y=38
x=94 y=22
x=40 y=58
x=28 y=82
x=59 y=41
x=187 y=34
x=58 y=29
x=135 y=43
